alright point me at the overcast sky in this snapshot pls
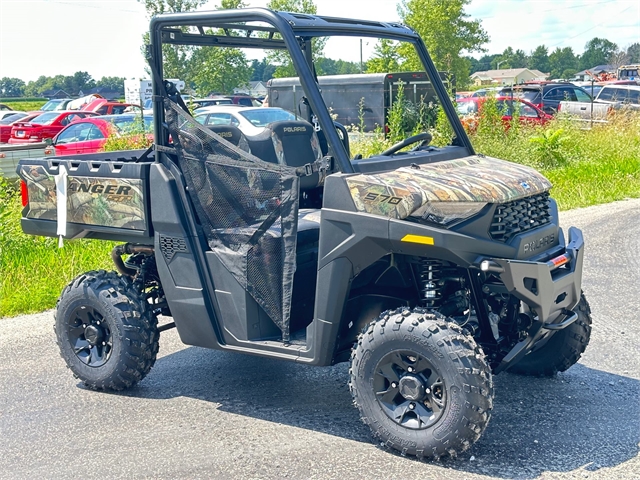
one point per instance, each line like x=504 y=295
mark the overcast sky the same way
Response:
x=103 y=37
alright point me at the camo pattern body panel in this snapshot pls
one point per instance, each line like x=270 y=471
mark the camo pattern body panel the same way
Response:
x=399 y=193
x=109 y=202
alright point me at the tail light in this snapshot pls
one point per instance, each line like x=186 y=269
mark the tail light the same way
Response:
x=560 y=106
x=24 y=193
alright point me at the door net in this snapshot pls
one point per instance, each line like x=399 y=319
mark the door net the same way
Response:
x=247 y=208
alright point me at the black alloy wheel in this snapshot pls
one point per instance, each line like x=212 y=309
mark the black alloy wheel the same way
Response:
x=409 y=389
x=90 y=336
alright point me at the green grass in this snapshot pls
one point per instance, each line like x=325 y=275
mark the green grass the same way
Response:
x=26 y=106
x=33 y=270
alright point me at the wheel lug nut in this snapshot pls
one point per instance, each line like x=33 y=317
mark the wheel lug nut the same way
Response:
x=98 y=322
x=410 y=369
x=394 y=385
x=411 y=406
x=427 y=390
x=104 y=343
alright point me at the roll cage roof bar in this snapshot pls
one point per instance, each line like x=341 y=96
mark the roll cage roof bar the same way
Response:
x=234 y=29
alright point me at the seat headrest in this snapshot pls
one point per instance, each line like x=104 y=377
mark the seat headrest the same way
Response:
x=231 y=134
x=292 y=127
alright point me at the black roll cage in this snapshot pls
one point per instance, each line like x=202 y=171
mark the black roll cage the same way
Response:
x=296 y=30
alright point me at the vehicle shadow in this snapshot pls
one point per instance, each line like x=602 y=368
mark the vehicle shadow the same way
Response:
x=583 y=418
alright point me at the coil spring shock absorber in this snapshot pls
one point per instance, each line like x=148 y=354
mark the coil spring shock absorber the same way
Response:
x=430 y=273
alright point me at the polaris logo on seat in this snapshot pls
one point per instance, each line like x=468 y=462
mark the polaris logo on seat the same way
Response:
x=294 y=129
x=539 y=243
x=225 y=134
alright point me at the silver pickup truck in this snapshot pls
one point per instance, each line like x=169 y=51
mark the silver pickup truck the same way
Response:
x=610 y=97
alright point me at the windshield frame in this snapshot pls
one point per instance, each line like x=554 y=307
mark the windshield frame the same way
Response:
x=296 y=31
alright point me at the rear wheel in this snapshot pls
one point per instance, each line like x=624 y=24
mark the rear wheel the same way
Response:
x=421 y=385
x=562 y=350
x=105 y=330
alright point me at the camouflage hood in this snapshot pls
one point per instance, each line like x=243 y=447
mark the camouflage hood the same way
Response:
x=399 y=193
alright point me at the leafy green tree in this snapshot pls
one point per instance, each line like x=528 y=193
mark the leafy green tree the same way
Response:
x=282 y=60
x=561 y=61
x=328 y=66
x=175 y=58
x=35 y=87
x=633 y=53
x=539 y=59
x=597 y=51
x=79 y=81
x=386 y=57
x=220 y=70
x=484 y=63
x=111 y=83
x=11 y=87
x=269 y=72
x=446 y=30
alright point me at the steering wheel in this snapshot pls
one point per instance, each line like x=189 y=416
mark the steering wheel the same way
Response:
x=424 y=137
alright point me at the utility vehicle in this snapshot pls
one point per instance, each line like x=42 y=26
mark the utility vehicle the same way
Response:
x=429 y=269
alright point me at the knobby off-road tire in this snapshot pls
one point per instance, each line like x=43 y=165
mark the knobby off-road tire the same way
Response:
x=106 y=331
x=423 y=387
x=562 y=350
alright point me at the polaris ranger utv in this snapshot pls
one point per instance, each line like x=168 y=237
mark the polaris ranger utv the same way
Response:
x=429 y=269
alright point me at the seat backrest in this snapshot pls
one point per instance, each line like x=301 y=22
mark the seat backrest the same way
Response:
x=232 y=135
x=296 y=144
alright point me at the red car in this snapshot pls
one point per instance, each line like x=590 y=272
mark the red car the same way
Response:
x=104 y=107
x=90 y=134
x=7 y=123
x=528 y=112
x=45 y=125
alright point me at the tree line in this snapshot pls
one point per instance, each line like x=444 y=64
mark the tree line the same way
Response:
x=562 y=62
x=444 y=26
x=72 y=84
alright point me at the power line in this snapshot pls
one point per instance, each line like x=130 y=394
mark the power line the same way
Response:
x=589 y=29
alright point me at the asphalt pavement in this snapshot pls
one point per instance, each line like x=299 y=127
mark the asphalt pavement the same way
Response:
x=208 y=414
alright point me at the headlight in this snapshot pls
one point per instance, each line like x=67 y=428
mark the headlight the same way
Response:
x=446 y=213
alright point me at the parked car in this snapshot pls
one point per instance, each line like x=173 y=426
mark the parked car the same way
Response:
x=547 y=95
x=56 y=104
x=7 y=123
x=90 y=134
x=104 y=107
x=196 y=103
x=45 y=125
x=610 y=97
x=250 y=120
x=246 y=100
x=8 y=113
x=528 y=113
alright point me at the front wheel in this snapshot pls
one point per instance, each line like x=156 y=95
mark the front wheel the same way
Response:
x=106 y=331
x=422 y=386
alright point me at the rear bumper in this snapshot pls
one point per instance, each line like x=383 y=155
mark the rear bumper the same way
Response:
x=552 y=288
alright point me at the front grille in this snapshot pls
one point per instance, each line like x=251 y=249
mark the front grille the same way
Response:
x=519 y=216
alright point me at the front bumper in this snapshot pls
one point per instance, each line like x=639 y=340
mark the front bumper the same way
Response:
x=551 y=289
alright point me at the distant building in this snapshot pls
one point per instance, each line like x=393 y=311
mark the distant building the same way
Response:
x=107 y=93
x=55 y=93
x=255 y=89
x=507 y=76
x=598 y=70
